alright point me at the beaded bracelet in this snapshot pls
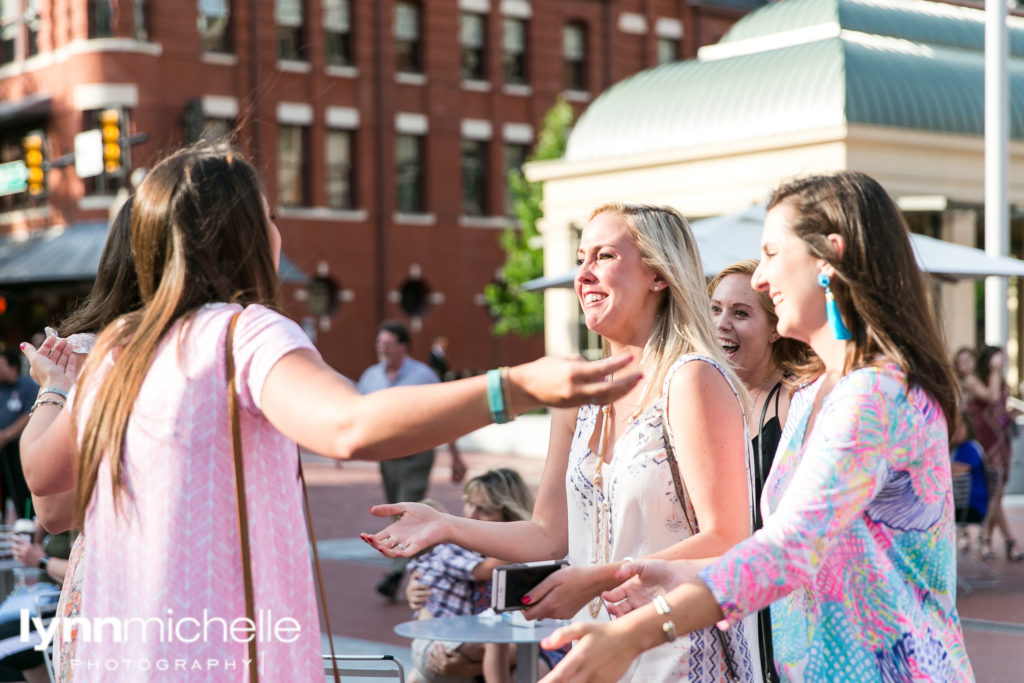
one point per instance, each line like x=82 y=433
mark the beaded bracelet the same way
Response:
x=45 y=402
x=669 y=627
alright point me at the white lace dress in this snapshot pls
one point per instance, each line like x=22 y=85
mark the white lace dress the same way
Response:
x=644 y=515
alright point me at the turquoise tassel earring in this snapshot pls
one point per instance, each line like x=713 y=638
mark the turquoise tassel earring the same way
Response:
x=835 y=319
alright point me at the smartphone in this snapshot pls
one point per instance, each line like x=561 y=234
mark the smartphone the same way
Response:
x=510 y=582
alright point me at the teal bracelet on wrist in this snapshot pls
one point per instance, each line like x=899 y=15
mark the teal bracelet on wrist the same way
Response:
x=495 y=399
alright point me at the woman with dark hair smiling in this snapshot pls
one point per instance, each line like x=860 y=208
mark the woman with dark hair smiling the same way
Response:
x=857 y=556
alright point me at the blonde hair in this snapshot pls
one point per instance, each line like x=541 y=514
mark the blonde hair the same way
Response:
x=683 y=322
x=505 y=490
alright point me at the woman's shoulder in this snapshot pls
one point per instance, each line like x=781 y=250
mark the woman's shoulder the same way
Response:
x=692 y=369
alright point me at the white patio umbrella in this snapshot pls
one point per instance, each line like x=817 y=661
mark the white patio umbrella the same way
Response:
x=723 y=240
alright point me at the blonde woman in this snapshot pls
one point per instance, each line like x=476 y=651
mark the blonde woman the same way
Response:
x=609 y=487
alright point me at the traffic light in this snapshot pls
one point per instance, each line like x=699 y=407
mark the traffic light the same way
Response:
x=110 y=131
x=36 y=180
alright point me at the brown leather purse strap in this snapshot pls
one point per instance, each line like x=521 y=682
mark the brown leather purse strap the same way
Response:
x=319 y=573
x=684 y=499
x=243 y=517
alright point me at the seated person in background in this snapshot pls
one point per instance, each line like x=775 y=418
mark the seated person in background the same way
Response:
x=23 y=661
x=968 y=457
x=448 y=580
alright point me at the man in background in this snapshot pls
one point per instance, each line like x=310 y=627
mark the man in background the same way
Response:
x=405 y=479
x=17 y=394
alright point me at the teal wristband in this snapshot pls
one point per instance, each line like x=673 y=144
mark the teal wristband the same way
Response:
x=495 y=399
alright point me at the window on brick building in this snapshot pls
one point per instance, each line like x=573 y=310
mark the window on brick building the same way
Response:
x=574 y=55
x=101 y=18
x=32 y=27
x=473 y=41
x=515 y=157
x=513 y=50
x=291 y=39
x=214 y=25
x=668 y=50
x=218 y=130
x=474 y=178
x=409 y=180
x=340 y=194
x=292 y=158
x=10 y=13
x=139 y=24
x=338 y=32
x=408 y=37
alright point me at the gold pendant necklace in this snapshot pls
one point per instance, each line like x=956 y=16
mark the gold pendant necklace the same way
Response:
x=600 y=504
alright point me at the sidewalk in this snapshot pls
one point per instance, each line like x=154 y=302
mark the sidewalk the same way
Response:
x=362 y=621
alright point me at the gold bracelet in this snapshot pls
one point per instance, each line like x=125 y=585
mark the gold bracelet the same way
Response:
x=45 y=402
x=668 y=628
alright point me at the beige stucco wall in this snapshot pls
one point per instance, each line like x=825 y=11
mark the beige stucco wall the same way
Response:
x=712 y=180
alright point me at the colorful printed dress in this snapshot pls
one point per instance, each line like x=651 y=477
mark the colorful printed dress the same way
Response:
x=163 y=575
x=857 y=556
x=644 y=515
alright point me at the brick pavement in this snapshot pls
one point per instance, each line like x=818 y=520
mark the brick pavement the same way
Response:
x=341 y=496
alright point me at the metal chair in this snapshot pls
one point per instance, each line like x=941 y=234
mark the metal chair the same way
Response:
x=971 y=573
x=385 y=667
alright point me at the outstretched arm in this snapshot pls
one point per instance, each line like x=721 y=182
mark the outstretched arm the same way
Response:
x=543 y=537
x=337 y=421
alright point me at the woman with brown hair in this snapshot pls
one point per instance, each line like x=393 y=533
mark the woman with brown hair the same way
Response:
x=148 y=420
x=987 y=394
x=770 y=366
x=857 y=556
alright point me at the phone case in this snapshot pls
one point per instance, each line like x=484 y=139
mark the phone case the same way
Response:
x=510 y=582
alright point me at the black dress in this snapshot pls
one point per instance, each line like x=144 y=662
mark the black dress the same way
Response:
x=765 y=443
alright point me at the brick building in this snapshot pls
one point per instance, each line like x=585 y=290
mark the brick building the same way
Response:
x=384 y=130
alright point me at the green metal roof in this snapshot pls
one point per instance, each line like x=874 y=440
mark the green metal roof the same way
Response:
x=792 y=66
x=925 y=22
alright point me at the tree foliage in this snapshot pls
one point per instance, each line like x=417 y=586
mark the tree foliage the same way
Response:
x=515 y=310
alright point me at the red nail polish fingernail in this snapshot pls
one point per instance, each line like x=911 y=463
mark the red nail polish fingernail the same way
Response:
x=21 y=346
x=527 y=600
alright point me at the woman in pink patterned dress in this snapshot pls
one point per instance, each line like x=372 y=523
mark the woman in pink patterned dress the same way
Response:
x=162 y=596
x=857 y=556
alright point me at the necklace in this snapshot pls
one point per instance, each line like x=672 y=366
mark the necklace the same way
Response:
x=600 y=555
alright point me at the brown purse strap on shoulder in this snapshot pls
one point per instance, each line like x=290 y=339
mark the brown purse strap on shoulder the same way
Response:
x=684 y=502
x=243 y=517
x=243 y=520
x=319 y=573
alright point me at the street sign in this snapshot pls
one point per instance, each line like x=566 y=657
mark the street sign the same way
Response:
x=89 y=153
x=13 y=177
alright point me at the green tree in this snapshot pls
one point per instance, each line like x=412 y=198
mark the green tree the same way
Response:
x=515 y=310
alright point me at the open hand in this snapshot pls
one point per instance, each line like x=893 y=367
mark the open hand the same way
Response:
x=567 y=382
x=600 y=654
x=53 y=364
x=418 y=526
x=643 y=580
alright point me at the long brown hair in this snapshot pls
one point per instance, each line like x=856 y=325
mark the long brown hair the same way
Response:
x=878 y=286
x=199 y=235
x=116 y=289
x=796 y=359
